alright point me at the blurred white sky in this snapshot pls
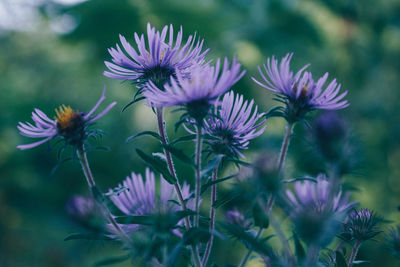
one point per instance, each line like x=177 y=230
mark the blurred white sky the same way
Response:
x=23 y=15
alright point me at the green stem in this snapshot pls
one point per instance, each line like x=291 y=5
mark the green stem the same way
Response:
x=247 y=256
x=354 y=252
x=199 y=142
x=212 y=217
x=98 y=195
x=285 y=145
x=164 y=139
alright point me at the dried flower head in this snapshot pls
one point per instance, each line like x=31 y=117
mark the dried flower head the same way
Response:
x=68 y=124
x=299 y=92
x=205 y=85
x=361 y=225
x=233 y=125
x=157 y=60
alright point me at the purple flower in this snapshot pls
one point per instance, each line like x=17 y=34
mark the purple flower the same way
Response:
x=82 y=209
x=68 y=124
x=361 y=225
x=157 y=60
x=316 y=215
x=235 y=123
x=206 y=84
x=236 y=217
x=140 y=197
x=299 y=91
x=315 y=196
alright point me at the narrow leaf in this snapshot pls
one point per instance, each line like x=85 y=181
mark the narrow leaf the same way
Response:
x=179 y=154
x=210 y=183
x=150 y=133
x=211 y=165
x=157 y=165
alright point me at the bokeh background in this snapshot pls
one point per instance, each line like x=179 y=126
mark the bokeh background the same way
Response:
x=52 y=53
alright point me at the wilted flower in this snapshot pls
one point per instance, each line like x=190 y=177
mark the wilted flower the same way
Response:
x=157 y=60
x=205 y=85
x=361 y=225
x=69 y=125
x=140 y=198
x=393 y=241
x=233 y=125
x=236 y=217
x=299 y=92
x=315 y=213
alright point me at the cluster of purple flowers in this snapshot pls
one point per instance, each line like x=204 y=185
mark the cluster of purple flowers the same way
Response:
x=174 y=73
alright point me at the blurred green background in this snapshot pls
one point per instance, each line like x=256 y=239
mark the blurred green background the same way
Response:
x=52 y=53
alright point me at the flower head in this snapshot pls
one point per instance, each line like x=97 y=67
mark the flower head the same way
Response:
x=299 y=91
x=140 y=197
x=236 y=217
x=361 y=225
x=315 y=213
x=235 y=123
x=393 y=240
x=157 y=60
x=68 y=124
x=205 y=85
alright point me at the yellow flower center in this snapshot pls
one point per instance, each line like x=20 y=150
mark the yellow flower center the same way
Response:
x=65 y=116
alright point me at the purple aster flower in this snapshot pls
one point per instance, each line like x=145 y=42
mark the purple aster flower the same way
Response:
x=235 y=123
x=157 y=60
x=205 y=85
x=140 y=197
x=236 y=217
x=299 y=91
x=361 y=225
x=314 y=212
x=68 y=124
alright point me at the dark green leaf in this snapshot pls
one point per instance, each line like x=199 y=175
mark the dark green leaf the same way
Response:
x=174 y=255
x=150 y=133
x=157 y=165
x=340 y=260
x=225 y=199
x=300 y=253
x=300 y=179
x=183 y=139
x=132 y=102
x=112 y=260
x=210 y=183
x=260 y=216
x=179 y=154
x=138 y=219
x=196 y=235
x=88 y=236
x=211 y=165
x=275 y=112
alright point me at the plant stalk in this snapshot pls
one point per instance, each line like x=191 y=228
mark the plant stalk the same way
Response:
x=93 y=188
x=354 y=252
x=164 y=139
x=199 y=142
x=212 y=217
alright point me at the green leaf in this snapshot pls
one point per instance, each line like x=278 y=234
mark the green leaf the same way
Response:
x=196 y=235
x=138 y=219
x=173 y=257
x=211 y=165
x=132 y=102
x=248 y=239
x=179 y=154
x=183 y=139
x=88 y=236
x=210 y=183
x=340 y=260
x=157 y=165
x=150 y=133
x=300 y=253
x=225 y=199
x=300 y=179
x=275 y=112
x=112 y=260
x=260 y=216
